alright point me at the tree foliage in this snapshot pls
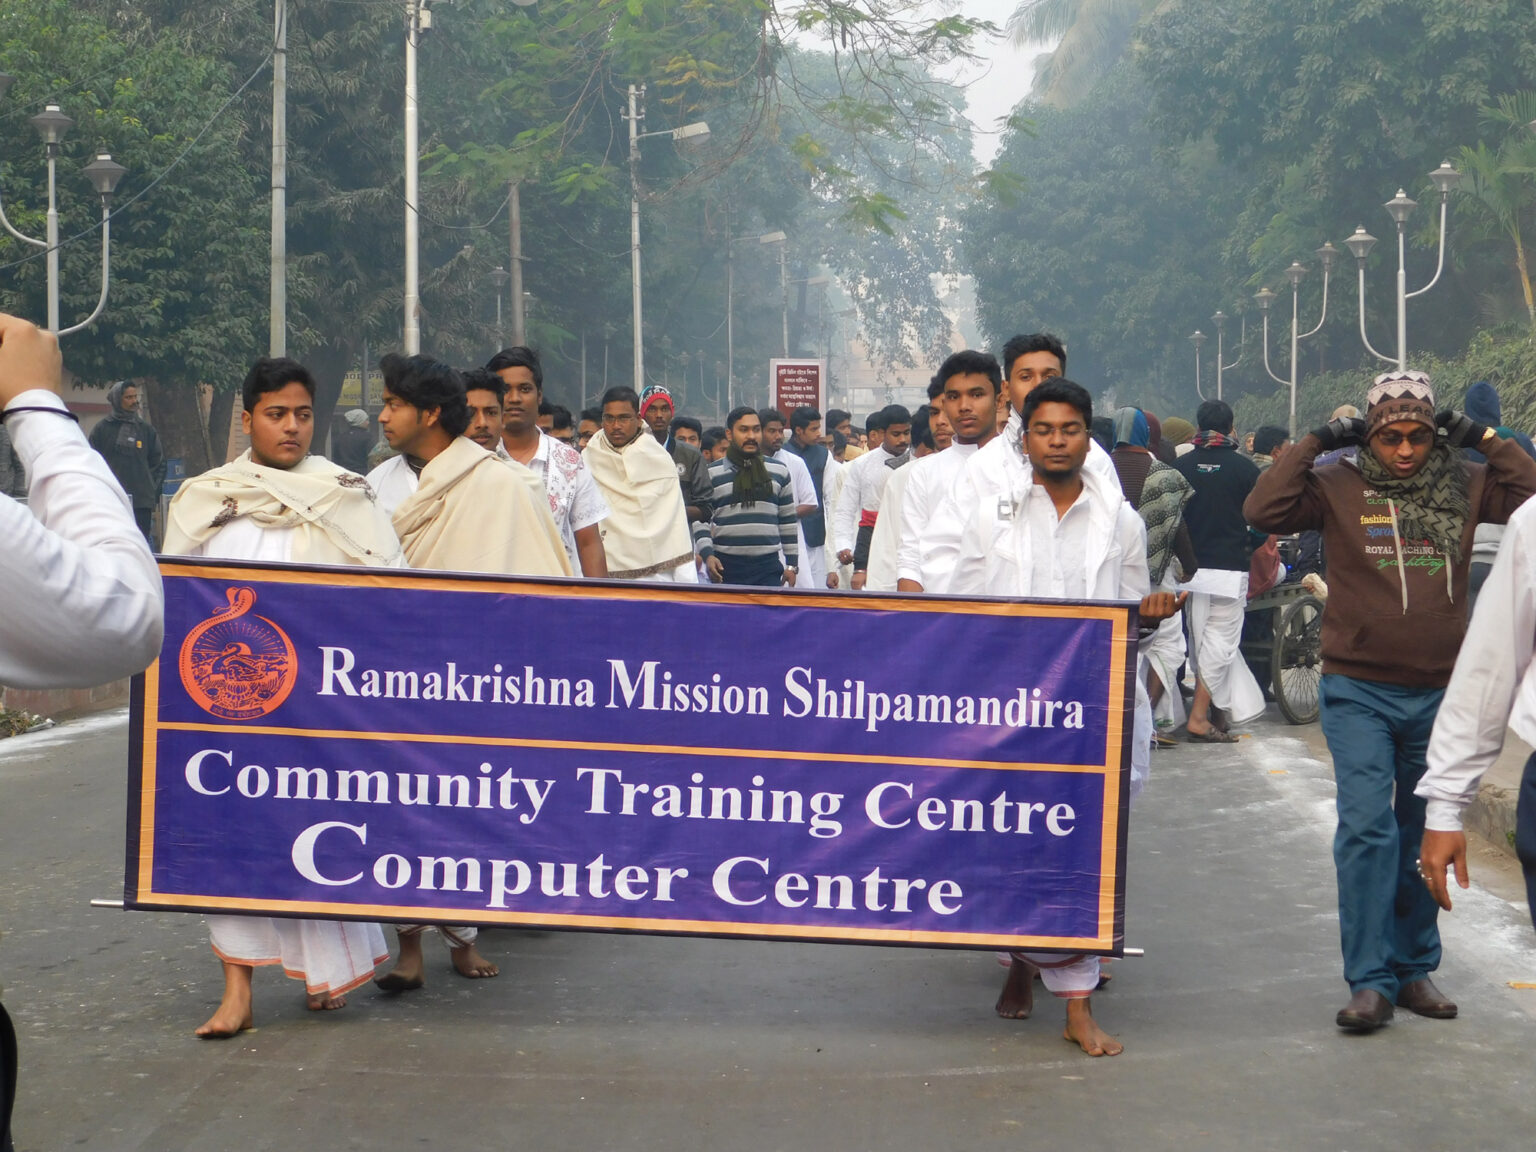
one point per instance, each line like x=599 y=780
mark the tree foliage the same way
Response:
x=188 y=257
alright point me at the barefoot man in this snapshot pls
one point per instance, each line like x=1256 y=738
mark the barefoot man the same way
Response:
x=460 y=509
x=1063 y=532
x=249 y=509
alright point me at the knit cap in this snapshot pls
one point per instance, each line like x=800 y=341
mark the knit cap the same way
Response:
x=1400 y=395
x=652 y=393
x=1177 y=430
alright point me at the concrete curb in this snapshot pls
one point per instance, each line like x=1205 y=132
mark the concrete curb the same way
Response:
x=1492 y=816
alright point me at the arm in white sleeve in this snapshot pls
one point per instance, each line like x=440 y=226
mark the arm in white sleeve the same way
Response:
x=850 y=502
x=916 y=511
x=83 y=602
x=1469 y=727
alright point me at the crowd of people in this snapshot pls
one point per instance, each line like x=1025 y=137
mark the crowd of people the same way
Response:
x=1004 y=484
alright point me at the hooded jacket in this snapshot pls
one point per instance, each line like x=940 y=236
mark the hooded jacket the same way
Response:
x=131 y=449
x=1397 y=608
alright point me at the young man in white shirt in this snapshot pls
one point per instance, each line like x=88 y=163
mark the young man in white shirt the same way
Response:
x=1062 y=532
x=574 y=500
x=968 y=386
x=278 y=503
x=859 y=505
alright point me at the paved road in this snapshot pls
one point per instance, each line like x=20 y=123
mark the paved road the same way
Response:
x=593 y=1042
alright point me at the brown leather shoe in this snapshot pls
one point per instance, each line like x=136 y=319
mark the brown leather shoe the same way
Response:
x=1423 y=998
x=1366 y=1011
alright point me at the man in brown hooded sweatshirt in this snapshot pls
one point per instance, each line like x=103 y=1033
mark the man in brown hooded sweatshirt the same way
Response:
x=1397 y=526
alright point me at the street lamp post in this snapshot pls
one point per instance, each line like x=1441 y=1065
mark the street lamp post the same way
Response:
x=1198 y=340
x=1220 y=321
x=730 y=309
x=1264 y=297
x=104 y=174
x=697 y=130
x=1400 y=207
x=499 y=279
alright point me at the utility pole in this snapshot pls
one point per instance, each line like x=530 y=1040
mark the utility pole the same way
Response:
x=417 y=20
x=515 y=214
x=277 y=339
x=635 y=95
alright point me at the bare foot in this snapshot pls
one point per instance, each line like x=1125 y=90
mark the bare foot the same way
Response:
x=233 y=1014
x=1017 y=1000
x=467 y=961
x=1084 y=1031
x=409 y=971
x=324 y=1002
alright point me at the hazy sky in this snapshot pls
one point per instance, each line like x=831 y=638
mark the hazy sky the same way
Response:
x=998 y=81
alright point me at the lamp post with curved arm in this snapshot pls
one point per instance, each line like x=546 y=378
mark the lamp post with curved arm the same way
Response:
x=1327 y=254
x=1400 y=207
x=104 y=174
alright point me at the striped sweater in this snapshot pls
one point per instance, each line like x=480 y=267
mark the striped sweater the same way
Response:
x=760 y=529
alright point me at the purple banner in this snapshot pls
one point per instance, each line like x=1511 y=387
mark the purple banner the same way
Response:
x=424 y=747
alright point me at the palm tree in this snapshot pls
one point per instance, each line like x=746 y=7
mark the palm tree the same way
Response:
x=1501 y=182
x=1090 y=37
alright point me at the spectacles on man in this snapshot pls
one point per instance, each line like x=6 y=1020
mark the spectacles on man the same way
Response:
x=1419 y=437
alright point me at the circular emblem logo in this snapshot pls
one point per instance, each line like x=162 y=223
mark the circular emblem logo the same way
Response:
x=237 y=665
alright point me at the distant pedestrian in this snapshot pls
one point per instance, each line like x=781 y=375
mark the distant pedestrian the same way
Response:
x=132 y=450
x=350 y=445
x=1225 y=690
x=753 y=519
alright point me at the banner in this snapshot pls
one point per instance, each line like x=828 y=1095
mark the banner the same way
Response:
x=425 y=747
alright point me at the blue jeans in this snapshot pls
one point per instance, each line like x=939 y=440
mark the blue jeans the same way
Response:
x=1377 y=734
x=1525 y=831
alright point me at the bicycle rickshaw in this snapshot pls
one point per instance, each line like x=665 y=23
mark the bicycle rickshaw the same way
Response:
x=1286 y=656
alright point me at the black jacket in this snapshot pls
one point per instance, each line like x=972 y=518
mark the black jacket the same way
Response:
x=1222 y=479
x=132 y=450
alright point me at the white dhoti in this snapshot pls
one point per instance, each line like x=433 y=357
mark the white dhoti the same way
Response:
x=815 y=569
x=330 y=956
x=1163 y=657
x=453 y=937
x=1216 y=630
x=686 y=573
x=1141 y=741
x=1069 y=977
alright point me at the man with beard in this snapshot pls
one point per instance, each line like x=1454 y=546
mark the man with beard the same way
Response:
x=753 y=518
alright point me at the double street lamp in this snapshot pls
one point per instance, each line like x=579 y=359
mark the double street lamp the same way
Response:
x=1400 y=207
x=104 y=174
x=695 y=131
x=1327 y=254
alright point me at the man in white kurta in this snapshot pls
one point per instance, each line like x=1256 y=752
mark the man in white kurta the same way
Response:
x=276 y=503
x=969 y=383
x=800 y=482
x=1061 y=532
x=864 y=486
